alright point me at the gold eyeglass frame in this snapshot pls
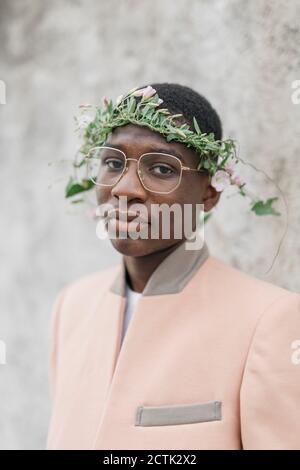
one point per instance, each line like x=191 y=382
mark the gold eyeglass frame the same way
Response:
x=182 y=168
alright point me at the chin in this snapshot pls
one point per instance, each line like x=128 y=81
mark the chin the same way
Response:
x=130 y=247
x=138 y=247
x=141 y=247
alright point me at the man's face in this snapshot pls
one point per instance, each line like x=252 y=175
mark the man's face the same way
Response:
x=194 y=188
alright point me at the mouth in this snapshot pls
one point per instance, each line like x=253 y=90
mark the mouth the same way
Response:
x=125 y=221
x=126 y=216
x=120 y=226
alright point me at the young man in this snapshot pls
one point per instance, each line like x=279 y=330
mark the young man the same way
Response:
x=173 y=348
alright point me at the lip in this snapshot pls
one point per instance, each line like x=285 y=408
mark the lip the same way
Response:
x=125 y=217
x=123 y=226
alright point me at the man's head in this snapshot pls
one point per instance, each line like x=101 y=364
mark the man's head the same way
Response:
x=135 y=140
x=183 y=99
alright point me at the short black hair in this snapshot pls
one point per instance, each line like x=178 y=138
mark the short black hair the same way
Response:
x=183 y=99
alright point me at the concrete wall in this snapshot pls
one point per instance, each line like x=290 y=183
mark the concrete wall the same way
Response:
x=55 y=55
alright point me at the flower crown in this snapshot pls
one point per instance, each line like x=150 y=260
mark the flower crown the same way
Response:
x=218 y=157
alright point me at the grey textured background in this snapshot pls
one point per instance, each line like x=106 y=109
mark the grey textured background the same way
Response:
x=55 y=55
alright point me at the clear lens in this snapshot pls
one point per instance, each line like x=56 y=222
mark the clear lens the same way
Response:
x=160 y=172
x=105 y=165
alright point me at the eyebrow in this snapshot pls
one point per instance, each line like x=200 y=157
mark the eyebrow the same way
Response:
x=153 y=149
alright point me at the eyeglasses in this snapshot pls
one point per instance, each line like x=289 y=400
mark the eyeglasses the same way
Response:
x=158 y=172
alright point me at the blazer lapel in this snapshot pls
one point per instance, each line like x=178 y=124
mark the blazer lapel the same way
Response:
x=171 y=276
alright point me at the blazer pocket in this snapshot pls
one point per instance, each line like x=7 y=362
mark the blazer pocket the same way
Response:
x=178 y=414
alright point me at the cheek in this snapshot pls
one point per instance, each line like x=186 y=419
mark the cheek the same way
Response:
x=190 y=197
x=190 y=193
x=103 y=195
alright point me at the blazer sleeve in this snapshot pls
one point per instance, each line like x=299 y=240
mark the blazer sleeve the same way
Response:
x=54 y=339
x=270 y=389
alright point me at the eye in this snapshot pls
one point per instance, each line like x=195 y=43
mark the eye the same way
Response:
x=162 y=170
x=113 y=163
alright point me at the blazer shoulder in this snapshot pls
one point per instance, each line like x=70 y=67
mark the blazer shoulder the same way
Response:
x=78 y=298
x=96 y=281
x=244 y=285
x=83 y=292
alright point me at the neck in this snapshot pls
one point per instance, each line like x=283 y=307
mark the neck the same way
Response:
x=140 y=268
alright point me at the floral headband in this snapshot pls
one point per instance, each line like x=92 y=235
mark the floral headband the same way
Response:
x=218 y=157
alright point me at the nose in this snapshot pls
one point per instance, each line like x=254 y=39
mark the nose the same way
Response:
x=130 y=184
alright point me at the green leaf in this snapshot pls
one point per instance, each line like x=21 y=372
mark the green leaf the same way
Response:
x=196 y=125
x=179 y=132
x=212 y=146
x=265 y=207
x=110 y=106
x=132 y=105
x=75 y=187
x=150 y=113
x=164 y=111
x=241 y=190
x=175 y=115
x=207 y=215
x=224 y=161
x=170 y=137
x=79 y=164
x=145 y=110
x=77 y=201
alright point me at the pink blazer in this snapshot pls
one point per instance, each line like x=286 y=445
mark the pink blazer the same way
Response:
x=210 y=360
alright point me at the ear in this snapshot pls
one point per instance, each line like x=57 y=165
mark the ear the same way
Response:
x=211 y=197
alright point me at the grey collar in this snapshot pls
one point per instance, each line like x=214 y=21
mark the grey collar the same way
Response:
x=171 y=275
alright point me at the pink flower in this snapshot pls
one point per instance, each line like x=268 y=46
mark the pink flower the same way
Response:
x=220 y=180
x=230 y=166
x=237 y=181
x=146 y=92
x=105 y=101
x=138 y=92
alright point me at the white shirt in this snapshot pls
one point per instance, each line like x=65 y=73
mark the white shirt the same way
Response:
x=131 y=299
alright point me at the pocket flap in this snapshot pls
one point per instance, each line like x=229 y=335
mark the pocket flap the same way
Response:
x=178 y=414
